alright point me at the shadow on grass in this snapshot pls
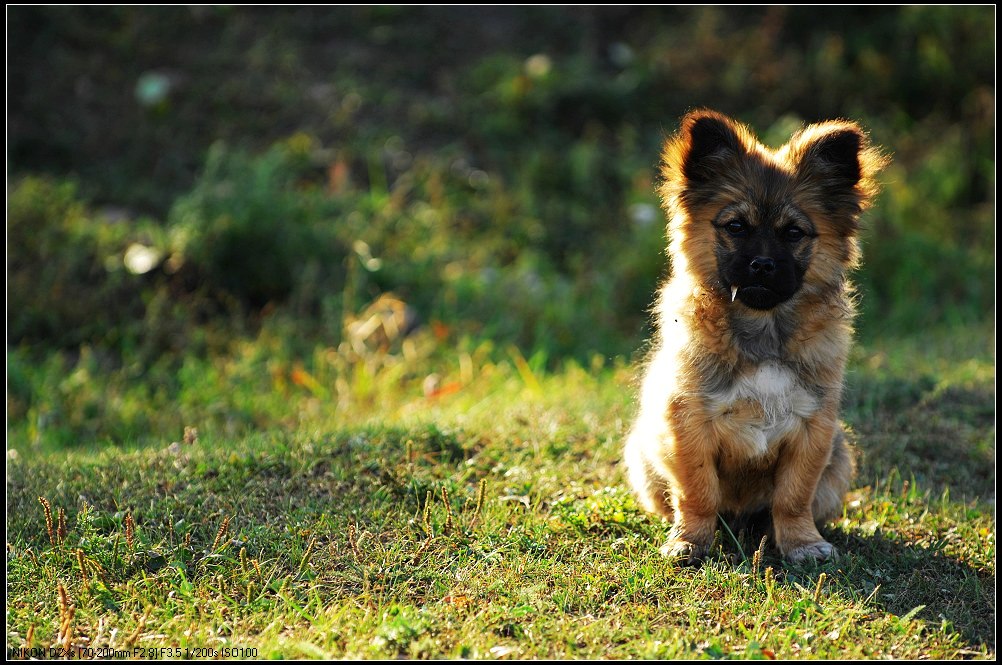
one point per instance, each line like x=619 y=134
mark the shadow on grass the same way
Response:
x=912 y=576
x=902 y=577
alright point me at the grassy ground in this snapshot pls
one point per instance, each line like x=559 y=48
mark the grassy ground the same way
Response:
x=482 y=513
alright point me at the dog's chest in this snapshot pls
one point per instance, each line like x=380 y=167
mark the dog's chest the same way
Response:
x=761 y=406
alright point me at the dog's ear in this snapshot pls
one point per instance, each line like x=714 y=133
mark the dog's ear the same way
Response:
x=829 y=152
x=711 y=138
x=835 y=162
x=704 y=142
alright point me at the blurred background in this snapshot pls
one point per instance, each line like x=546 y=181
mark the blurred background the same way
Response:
x=214 y=212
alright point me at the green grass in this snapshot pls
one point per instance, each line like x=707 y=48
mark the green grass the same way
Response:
x=484 y=515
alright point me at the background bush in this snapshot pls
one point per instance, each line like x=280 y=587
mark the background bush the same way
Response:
x=280 y=169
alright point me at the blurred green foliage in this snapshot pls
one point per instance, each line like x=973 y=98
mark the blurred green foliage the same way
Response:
x=66 y=276
x=187 y=179
x=255 y=227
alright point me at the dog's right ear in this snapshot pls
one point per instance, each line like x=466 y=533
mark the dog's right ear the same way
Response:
x=705 y=140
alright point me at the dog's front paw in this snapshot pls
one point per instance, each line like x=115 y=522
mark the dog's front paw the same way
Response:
x=689 y=553
x=818 y=551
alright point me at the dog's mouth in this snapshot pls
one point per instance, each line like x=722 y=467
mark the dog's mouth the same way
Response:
x=756 y=296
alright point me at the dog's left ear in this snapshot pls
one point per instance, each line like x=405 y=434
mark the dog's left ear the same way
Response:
x=836 y=164
x=834 y=155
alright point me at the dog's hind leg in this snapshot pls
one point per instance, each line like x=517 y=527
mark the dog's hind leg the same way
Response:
x=835 y=480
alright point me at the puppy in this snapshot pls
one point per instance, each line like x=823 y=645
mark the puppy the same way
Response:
x=739 y=401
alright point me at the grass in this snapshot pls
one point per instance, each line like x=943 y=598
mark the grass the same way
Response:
x=483 y=514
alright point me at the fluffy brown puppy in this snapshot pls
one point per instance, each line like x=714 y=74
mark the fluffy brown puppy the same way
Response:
x=739 y=405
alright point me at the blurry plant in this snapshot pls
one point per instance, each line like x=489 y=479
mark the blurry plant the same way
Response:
x=73 y=277
x=291 y=270
x=252 y=227
x=927 y=257
x=559 y=142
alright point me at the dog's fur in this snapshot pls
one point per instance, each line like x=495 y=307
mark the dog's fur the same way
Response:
x=739 y=404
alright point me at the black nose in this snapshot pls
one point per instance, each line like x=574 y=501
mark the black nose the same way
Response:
x=762 y=265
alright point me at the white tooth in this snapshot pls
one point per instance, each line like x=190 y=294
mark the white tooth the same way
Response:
x=734 y=293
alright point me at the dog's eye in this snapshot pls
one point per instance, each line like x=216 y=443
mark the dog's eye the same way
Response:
x=738 y=228
x=793 y=233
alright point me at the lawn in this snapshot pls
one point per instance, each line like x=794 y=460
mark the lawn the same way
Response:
x=488 y=518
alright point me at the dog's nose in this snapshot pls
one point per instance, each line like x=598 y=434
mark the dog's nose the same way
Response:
x=762 y=265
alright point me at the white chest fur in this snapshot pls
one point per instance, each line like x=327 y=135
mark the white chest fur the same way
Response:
x=762 y=406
